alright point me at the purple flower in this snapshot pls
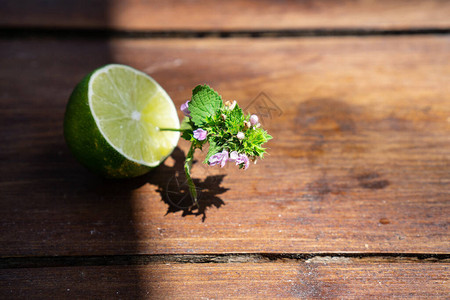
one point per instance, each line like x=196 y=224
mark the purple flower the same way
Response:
x=254 y=120
x=200 y=134
x=243 y=159
x=233 y=156
x=185 y=109
x=239 y=159
x=240 y=135
x=219 y=158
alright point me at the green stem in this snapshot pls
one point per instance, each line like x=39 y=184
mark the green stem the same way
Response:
x=171 y=129
x=187 y=171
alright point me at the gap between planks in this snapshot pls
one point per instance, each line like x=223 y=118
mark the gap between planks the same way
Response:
x=19 y=32
x=120 y=260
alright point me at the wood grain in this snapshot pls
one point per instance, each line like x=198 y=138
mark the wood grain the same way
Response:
x=359 y=162
x=327 y=279
x=225 y=15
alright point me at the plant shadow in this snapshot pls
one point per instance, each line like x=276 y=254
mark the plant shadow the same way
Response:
x=174 y=191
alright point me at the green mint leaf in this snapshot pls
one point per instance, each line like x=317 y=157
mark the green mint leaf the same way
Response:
x=186 y=124
x=235 y=120
x=187 y=135
x=204 y=103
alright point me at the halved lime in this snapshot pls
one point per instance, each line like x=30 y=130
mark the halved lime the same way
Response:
x=112 y=122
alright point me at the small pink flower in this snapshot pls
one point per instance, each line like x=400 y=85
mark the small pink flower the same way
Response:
x=185 y=109
x=243 y=159
x=233 y=156
x=219 y=158
x=254 y=120
x=200 y=134
x=239 y=159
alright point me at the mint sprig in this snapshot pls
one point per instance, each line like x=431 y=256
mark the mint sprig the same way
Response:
x=233 y=137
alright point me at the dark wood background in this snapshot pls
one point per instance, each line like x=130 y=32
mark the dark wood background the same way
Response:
x=353 y=199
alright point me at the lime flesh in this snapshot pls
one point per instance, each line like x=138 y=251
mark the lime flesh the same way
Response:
x=112 y=122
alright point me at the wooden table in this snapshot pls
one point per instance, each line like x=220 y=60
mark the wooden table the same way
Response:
x=353 y=200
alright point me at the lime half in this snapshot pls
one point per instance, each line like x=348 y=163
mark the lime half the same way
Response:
x=112 y=122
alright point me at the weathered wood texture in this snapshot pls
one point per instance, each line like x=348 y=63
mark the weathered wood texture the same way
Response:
x=360 y=161
x=226 y=15
x=321 y=280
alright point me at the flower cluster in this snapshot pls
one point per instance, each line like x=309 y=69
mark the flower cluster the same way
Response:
x=222 y=158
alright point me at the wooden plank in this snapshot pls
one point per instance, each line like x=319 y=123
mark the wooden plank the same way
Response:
x=274 y=280
x=359 y=162
x=225 y=15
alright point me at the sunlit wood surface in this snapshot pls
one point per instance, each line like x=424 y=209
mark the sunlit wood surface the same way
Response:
x=352 y=201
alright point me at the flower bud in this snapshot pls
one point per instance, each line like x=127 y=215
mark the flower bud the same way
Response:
x=185 y=108
x=254 y=119
x=240 y=135
x=230 y=105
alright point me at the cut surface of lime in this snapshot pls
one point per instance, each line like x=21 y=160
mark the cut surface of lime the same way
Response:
x=113 y=118
x=129 y=107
